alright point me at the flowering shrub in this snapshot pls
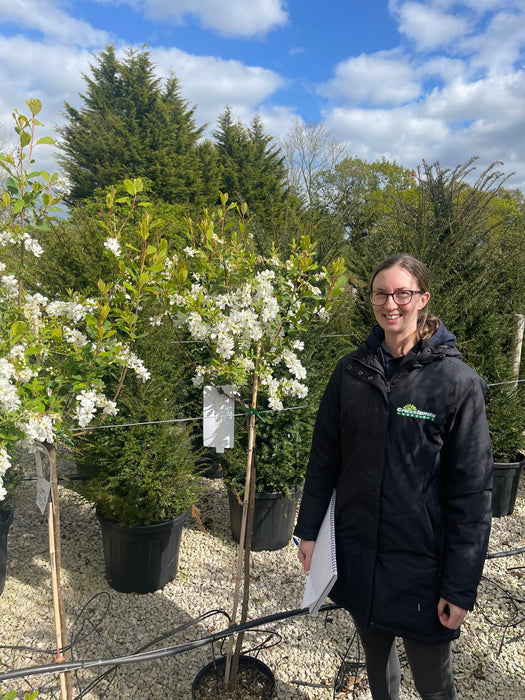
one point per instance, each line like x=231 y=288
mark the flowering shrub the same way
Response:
x=248 y=312
x=57 y=354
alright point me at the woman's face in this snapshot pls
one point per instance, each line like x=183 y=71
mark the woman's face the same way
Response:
x=396 y=319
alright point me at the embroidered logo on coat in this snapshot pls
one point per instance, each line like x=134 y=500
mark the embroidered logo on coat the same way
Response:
x=410 y=411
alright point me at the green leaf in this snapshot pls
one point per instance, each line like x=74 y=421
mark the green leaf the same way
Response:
x=129 y=186
x=34 y=105
x=25 y=139
x=49 y=140
x=18 y=205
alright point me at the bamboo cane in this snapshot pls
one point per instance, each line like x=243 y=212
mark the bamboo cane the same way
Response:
x=66 y=688
x=245 y=537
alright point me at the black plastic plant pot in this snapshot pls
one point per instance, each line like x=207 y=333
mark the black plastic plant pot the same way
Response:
x=505 y=488
x=6 y=518
x=273 y=520
x=141 y=559
x=255 y=680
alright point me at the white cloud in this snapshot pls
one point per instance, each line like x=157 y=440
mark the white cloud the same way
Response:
x=488 y=99
x=428 y=26
x=397 y=134
x=234 y=18
x=500 y=45
x=211 y=83
x=43 y=16
x=383 y=78
x=483 y=118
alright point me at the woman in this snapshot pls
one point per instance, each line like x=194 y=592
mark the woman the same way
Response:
x=402 y=436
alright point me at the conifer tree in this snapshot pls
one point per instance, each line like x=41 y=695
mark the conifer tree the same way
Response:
x=252 y=170
x=131 y=124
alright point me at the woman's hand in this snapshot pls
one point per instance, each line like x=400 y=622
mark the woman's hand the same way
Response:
x=450 y=615
x=304 y=553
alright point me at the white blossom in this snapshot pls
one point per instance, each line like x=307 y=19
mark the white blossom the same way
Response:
x=88 y=402
x=196 y=326
x=18 y=352
x=38 y=427
x=200 y=375
x=32 y=245
x=5 y=463
x=7 y=238
x=113 y=246
x=32 y=306
x=9 y=399
x=75 y=337
x=293 y=363
x=190 y=252
x=134 y=363
x=71 y=310
x=9 y=285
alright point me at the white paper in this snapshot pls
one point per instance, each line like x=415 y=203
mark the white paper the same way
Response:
x=323 y=567
x=43 y=478
x=218 y=418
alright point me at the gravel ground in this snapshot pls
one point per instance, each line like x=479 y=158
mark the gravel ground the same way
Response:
x=305 y=652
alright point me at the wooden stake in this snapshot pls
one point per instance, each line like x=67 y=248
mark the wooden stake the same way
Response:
x=245 y=542
x=66 y=686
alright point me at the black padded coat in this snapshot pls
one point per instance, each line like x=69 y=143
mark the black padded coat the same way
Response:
x=411 y=462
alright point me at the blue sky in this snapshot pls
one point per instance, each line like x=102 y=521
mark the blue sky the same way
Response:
x=407 y=80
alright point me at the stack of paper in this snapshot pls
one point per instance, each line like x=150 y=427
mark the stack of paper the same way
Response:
x=323 y=567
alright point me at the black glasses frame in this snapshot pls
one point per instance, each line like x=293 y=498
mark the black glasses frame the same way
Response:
x=393 y=295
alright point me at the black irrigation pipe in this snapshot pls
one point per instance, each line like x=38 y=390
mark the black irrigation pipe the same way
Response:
x=159 y=653
x=508 y=553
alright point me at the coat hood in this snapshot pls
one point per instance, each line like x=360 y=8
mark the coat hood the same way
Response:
x=442 y=338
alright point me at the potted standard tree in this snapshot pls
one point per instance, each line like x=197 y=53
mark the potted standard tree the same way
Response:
x=245 y=314
x=56 y=353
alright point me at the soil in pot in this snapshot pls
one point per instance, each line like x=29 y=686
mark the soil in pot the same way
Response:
x=255 y=681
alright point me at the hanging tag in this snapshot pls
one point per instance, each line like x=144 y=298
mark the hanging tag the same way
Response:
x=43 y=477
x=218 y=418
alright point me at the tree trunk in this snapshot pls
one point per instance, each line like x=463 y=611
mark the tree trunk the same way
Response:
x=245 y=544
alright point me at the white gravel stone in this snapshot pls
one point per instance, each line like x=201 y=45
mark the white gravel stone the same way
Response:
x=304 y=652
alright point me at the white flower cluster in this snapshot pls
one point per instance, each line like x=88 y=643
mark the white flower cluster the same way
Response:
x=37 y=427
x=9 y=399
x=279 y=388
x=88 y=402
x=72 y=310
x=293 y=364
x=135 y=363
x=113 y=246
x=9 y=286
x=234 y=322
x=75 y=337
x=30 y=244
x=4 y=466
x=32 y=307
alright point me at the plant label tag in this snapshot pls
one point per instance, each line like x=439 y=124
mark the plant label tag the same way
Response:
x=218 y=417
x=43 y=478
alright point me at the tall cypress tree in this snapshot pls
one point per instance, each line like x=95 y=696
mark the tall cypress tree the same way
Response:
x=252 y=170
x=131 y=124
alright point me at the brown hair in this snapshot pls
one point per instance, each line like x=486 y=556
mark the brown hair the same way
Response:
x=427 y=324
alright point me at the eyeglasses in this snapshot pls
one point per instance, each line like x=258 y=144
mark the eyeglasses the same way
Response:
x=401 y=297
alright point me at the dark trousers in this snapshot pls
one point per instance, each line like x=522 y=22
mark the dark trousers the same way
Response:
x=431 y=666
